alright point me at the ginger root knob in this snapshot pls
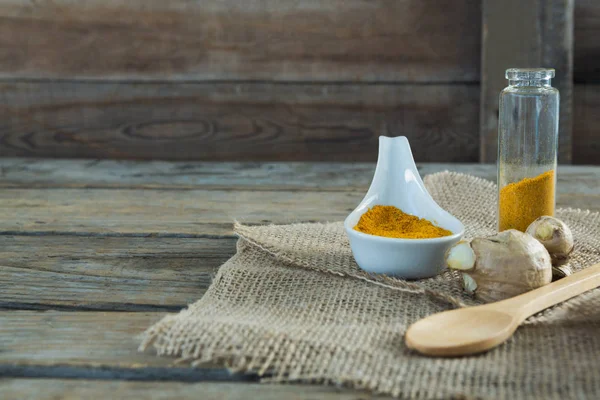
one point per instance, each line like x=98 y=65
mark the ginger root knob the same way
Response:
x=555 y=235
x=501 y=266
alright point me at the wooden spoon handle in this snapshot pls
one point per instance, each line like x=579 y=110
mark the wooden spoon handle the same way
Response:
x=556 y=292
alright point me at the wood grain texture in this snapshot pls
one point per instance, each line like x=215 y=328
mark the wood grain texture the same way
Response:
x=306 y=176
x=587 y=47
x=209 y=212
x=84 y=267
x=76 y=338
x=524 y=35
x=191 y=213
x=103 y=273
x=334 y=40
x=237 y=122
x=68 y=389
x=586 y=140
x=91 y=345
x=51 y=261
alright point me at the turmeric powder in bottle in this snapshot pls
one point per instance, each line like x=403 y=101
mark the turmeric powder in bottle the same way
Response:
x=390 y=221
x=520 y=203
x=527 y=147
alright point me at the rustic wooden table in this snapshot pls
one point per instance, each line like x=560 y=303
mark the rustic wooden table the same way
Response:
x=93 y=252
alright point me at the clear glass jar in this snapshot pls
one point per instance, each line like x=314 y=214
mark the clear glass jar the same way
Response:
x=527 y=147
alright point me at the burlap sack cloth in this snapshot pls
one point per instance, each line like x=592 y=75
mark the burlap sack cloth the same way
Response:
x=293 y=305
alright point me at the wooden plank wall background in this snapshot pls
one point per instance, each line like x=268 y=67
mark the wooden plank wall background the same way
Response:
x=257 y=79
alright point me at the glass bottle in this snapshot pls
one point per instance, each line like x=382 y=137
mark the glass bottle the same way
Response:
x=527 y=147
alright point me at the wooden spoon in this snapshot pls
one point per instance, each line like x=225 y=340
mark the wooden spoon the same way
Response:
x=476 y=329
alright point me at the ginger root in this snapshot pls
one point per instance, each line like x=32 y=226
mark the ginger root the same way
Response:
x=501 y=266
x=556 y=237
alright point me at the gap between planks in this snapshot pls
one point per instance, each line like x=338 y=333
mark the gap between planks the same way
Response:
x=69 y=389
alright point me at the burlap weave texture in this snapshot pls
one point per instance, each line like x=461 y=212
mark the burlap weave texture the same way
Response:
x=292 y=305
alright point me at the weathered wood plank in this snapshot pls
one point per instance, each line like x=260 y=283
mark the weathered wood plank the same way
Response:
x=52 y=389
x=191 y=213
x=541 y=36
x=148 y=273
x=587 y=47
x=96 y=273
x=341 y=40
x=236 y=122
x=90 y=345
x=76 y=338
x=123 y=174
x=586 y=124
x=209 y=211
x=195 y=213
x=325 y=176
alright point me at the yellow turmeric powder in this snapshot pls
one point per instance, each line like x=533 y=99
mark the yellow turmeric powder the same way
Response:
x=522 y=202
x=390 y=221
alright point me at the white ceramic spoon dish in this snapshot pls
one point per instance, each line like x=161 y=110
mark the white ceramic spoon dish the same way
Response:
x=397 y=183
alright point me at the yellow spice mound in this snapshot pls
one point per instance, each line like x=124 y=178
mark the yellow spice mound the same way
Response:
x=523 y=202
x=390 y=221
